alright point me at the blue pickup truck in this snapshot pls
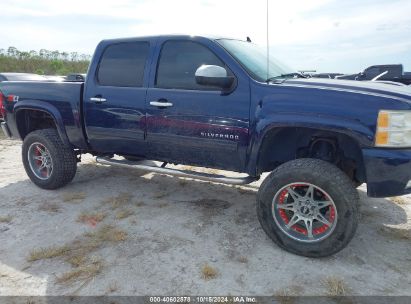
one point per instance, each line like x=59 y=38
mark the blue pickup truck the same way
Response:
x=221 y=103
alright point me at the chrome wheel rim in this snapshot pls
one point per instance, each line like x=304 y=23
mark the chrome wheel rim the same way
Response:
x=40 y=161
x=304 y=212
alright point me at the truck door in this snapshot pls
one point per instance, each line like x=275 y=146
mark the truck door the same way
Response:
x=188 y=123
x=114 y=99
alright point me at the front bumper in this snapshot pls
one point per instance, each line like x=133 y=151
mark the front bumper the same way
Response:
x=5 y=129
x=388 y=172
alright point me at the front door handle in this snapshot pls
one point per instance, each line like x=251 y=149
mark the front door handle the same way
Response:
x=98 y=99
x=161 y=104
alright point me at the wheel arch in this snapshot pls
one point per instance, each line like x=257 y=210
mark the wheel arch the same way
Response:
x=35 y=115
x=285 y=143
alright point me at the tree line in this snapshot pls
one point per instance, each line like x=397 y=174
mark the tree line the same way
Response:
x=43 y=62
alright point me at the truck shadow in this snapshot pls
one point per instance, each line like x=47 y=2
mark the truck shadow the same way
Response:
x=174 y=226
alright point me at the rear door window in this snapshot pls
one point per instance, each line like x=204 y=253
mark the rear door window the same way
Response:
x=122 y=64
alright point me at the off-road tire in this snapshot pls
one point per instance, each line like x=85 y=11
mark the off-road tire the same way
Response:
x=64 y=160
x=326 y=176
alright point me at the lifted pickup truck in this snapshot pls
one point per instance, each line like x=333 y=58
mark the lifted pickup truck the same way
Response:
x=213 y=102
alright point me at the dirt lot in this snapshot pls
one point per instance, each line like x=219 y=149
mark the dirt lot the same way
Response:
x=114 y=231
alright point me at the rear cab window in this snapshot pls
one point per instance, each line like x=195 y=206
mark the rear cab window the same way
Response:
x=123 y=64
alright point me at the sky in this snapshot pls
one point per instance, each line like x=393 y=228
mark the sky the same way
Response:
x=323 y=35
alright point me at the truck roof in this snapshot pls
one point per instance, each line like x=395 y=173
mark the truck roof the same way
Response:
x=182 y=36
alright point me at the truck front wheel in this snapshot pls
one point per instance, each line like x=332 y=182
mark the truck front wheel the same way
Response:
x=308 y=207
x=48 y=162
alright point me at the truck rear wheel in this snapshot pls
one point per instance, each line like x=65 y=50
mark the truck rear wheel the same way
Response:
x=48 y=162
x=308 y=207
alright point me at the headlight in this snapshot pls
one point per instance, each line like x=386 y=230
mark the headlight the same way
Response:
x=393 y=129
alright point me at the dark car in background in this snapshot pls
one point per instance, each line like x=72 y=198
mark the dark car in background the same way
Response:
x=76 y=77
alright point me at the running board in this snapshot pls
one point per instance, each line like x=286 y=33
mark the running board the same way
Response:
x=175 y=172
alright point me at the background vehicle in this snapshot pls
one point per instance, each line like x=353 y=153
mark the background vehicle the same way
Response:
x=326 y=75
x=21 y=77
x=55 y=78
x=215 y=103
x=393 y=72
x=76 y=77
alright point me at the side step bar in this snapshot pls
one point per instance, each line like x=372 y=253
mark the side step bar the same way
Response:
x=175 y=172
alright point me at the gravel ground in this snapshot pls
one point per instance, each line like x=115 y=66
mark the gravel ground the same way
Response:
x=121 y=232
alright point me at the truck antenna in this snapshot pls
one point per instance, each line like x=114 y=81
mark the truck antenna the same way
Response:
x=268 y=48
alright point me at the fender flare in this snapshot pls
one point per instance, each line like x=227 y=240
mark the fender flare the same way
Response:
x=361 y=134
x=42 y=106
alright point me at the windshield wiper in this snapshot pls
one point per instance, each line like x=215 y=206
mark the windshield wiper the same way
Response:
x=287 y=75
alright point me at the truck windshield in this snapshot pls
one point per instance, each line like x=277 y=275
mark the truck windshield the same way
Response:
x=254 y=60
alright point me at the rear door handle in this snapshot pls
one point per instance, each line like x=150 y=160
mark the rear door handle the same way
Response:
x=98 y=99
x=161 y=104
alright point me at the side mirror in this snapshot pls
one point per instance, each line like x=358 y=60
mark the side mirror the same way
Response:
x=213 y=75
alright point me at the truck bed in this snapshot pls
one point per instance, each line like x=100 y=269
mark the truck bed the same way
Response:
x=62 y=99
